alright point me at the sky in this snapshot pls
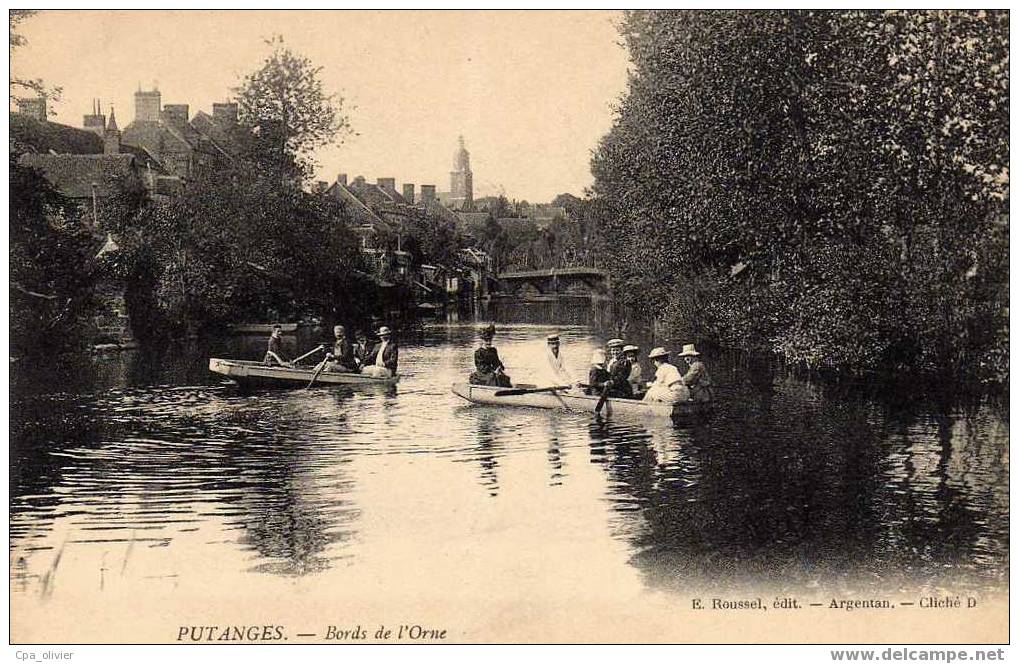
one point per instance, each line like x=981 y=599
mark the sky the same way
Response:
x=532 y=92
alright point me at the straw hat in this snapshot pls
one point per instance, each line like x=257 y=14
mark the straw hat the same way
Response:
x=339 y=328
x=384 y=331
x=614 y=343
x=598 y=357
x=658 y=352
x=631 y=349
x=689 y=351
x=552 y=337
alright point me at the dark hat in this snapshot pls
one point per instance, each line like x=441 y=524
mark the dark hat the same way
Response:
x=488 y=332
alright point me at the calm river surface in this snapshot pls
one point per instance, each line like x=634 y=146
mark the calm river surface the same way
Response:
x=136 y=477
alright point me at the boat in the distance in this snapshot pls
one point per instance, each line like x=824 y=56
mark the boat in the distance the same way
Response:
x=253 y=374
x=575 y=400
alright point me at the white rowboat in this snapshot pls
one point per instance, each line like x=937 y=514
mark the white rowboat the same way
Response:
x=249 y=373
x=575 y=400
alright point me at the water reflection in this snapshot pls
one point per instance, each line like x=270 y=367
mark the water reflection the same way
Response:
x=145 y=469
x=804 y=495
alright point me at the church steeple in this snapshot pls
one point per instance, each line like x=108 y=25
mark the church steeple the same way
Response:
x=461 y=179
x=111 y=137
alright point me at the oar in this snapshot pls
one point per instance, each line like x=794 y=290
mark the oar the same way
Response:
x=601 y=402
x=531 y=390
x=318 y=370
x=308 y=354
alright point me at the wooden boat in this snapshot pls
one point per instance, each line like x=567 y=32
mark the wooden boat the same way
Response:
x=575 y=400
x=250 y=373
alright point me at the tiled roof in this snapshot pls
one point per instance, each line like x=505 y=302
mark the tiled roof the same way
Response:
x=30 y=135
x=74 y=174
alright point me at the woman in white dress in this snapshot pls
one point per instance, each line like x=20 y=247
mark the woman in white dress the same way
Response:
x=668 y=384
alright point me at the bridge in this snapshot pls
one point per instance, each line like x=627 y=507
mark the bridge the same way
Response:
x=555 y=282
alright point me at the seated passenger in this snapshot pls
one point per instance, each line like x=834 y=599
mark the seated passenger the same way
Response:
x=619 y=367
x=696 y=378
x=488 y=368
x=636 y=372
x=668 y=385
x=597 y=377
x=341 y=358
x=274 y=352
x=383 y=359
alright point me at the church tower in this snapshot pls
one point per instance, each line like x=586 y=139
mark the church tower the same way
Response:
x=111 y=137
x=461 y=179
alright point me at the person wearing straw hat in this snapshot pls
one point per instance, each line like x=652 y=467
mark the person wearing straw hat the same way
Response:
x=597 y=376
x=383 y=359
x=668 y=383
x=488 y=368
x=697 y=379
x=630 y=352
x=618 y=384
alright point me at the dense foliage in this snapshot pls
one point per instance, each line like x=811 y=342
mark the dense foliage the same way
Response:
x=831 y=186
x=287 y=110
x=52 y=298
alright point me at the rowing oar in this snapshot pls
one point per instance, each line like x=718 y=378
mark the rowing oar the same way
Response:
x=531 y=390
x=318 y=370
x=601 y=402
x=308 y=354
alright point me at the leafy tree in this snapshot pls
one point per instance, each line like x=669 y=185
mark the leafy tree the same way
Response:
x=16 y=40
x=283 y=102
x=240 y=244
x=818 y=184
x=51 y=288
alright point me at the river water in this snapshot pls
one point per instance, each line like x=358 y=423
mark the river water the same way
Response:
x=141 y=480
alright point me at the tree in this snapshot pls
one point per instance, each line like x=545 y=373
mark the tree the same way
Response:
x=34 y=85
x=241 y=244
x=290 y=115
x=51 y=277
x=818 y=184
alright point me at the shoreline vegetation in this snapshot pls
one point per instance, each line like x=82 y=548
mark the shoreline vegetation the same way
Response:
x=825 y=188
x=829 y=187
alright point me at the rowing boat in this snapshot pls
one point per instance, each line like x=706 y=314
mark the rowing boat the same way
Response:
x=248 y=373
x=576 y=400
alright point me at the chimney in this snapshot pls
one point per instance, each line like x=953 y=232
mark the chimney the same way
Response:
x=342 y=179
x=427 y=193
x=95 y=121
x=146 y=105
x=225 y=115
x=175 y=114
x=33 y=107
x=389 y=184
x=320 y=187
x=408 y=193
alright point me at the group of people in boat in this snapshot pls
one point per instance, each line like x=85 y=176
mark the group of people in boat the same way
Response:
x=378 y=359
x=614 y=371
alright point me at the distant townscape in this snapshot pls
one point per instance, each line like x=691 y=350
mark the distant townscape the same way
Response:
x=164 y=146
